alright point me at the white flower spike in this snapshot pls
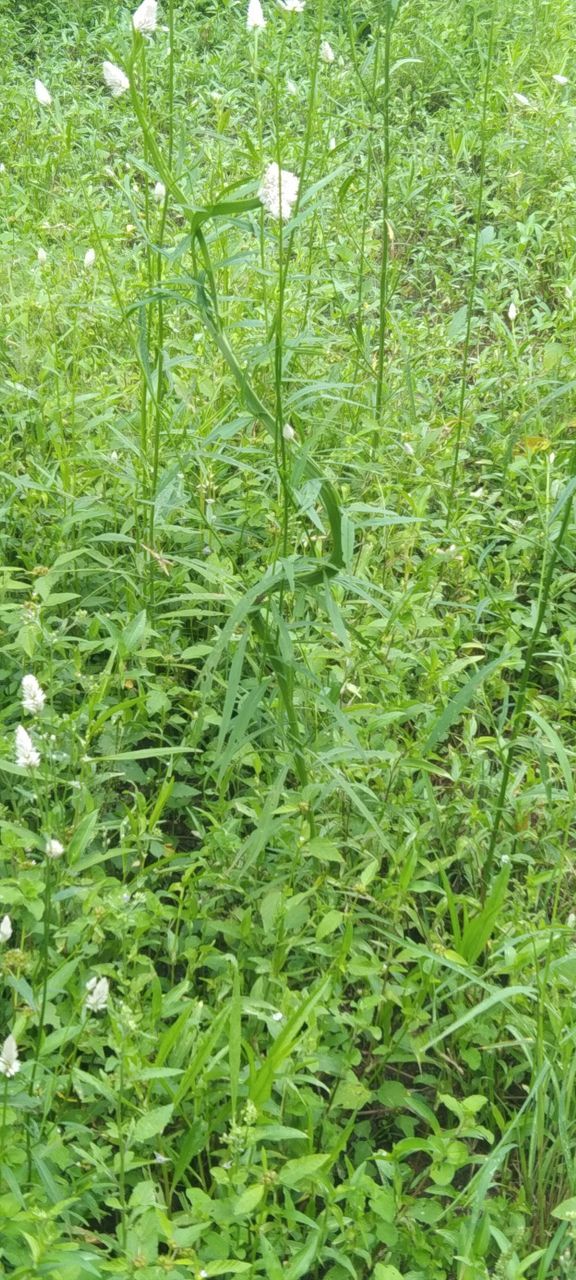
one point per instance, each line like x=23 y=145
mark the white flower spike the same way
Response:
x=9 y=1063
x=279 y=191
x=255 y=20
x=159 y=192
x=43 y=95
x=522 y=100
x=145 y=19
x=561 y=80
x=27 y=757
x=326 y=52
x=115 y=78
x=292 y=6
x=98 y=991
x=5 y=929
x=42 y=257
x=53 y=848
x=512 y=312
x=89 y=258
x=288 y=431
x=33 y=696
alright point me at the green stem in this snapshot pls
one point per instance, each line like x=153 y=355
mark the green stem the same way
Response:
x=474 y=276
x=43 y=962
x=383 y=290
x=520 y=704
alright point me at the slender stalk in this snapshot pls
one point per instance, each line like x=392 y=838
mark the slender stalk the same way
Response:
x=520 y=704
x=3 y=1121
x=475 y=256
x=43 y=963
x=260 y=136
x=383 y=290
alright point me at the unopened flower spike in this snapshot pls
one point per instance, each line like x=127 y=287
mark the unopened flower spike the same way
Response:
x=9 y=1062
x=89 y=258
x=326 y=52
x=279 y=191
x=98 y=991
x=43 y=95
x=53 y=848
x=33 y=696
x=5 y=929
x=27 y=757
x=255 y=20
x=145 y=17
x=116 y=79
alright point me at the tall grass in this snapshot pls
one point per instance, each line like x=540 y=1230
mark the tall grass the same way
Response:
x=288 y=541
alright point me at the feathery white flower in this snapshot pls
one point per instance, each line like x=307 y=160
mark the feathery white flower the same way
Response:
x=332 y=144
x=89 y=258
x=292 y=6
x=115 y=78
x=560 y=79
x=43 y=95
x=2 y=168
x=255 y=19
x=42 y=257
x=53 y=848
x=291 y=87
x=512 y=311
x=326 y=52
x=279 y=191
x=159 y=192
x=288 y=431
x=5 y=929
x=33 y=696
x=522 y=100
x=98 y=991
x=9 y=1063
x=27 y=757
x=145 y=18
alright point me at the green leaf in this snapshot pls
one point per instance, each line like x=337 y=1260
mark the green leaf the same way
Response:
x=248 y=1200
x=83 y=835
x=566 y=1210
x=133 y=635
x=296 y=1171
x=351 y=1095
x=324 y=850
x=444 y=722
x=152 y=1123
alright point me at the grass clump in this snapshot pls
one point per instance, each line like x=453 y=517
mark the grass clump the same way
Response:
x=286 y=899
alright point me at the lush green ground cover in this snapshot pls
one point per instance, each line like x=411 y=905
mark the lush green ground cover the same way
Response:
x=309 y=731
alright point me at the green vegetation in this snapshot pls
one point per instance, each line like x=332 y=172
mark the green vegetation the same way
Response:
x=287 y=930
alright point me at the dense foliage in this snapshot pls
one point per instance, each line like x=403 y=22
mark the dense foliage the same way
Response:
x=287 y=943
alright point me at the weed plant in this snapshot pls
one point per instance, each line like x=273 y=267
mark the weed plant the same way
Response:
x=287 y=924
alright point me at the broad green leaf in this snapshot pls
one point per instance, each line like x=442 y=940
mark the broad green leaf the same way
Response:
x=152 y=1123
x=455 y=707
x=300 y=1170
x=248 y=1200
x=566 y=1210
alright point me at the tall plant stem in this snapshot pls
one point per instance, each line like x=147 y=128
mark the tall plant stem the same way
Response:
x=474 y=275
x=44 y=955
x=383 y=289
x=520 y=704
